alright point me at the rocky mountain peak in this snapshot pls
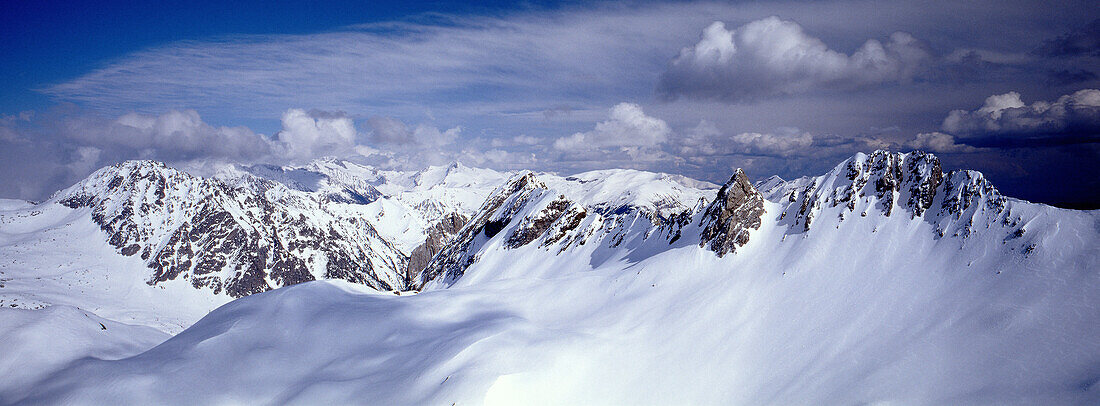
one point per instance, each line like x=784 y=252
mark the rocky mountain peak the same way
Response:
x=238 y=239
x=888 y=183
x=736 y=210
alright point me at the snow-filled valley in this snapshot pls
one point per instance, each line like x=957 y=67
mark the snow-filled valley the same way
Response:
x=886 y=280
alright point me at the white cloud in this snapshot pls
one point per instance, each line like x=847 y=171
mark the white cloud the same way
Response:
x=770 y=56
x=431 y=136
x=627 y=126
x=172 y=136
x=525 y=140
x=1072 y=115
x=939 y=142
x=307 y=135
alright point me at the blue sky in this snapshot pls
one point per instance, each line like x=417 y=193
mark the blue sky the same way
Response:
x=51 y=41
x=698 y=88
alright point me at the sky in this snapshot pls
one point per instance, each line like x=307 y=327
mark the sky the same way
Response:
x=788 y=88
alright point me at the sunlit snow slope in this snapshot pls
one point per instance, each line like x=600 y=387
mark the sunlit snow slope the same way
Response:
x=885 y=280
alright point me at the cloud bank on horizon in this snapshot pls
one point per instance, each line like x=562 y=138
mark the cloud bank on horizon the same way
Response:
x=782 y=88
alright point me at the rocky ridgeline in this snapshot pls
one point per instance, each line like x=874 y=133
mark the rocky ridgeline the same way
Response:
x=490 y=219
x=249 y=234
x=526 y=211
x=886 y=183
x=242 y=239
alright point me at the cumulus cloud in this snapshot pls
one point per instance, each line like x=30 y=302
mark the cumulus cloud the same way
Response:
x=772 y=144
x=1005 y=119
x=938 y=142
x=308 y=135
x=175 y=135
x=45 y=152
x=626 y=126
x=770 y=57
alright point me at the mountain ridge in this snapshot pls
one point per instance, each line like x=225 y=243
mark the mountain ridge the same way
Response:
x=872 y=283
x=286 y=225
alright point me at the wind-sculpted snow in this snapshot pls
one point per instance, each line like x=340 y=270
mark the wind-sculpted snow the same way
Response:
x=37 y=342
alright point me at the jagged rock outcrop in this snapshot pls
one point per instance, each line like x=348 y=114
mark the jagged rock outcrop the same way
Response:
x=439 y=235
x=534 y=227
x=737 y=209
x=243 y=239
x=497 y=211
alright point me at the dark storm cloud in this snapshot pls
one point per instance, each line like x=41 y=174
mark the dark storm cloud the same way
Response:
x=1083 y=42
x=1006 y=120
x=1065 y=77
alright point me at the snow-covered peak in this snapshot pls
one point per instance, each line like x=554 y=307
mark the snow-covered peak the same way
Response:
x=454 y=175
x=661 y=195
x=886 y=183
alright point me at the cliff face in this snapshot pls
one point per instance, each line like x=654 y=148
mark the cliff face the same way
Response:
x=736 y=210
x=497 y=211
x=439 y=235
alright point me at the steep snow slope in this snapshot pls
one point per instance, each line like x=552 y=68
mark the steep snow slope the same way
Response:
x=883 y=281
x=562 y=213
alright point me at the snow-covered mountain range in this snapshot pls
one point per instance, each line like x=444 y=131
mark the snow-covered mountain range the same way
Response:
x=886 y=279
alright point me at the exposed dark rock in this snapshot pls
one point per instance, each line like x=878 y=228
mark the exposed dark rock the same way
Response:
x=736 y=210
x=532 y=228
x=439 y=234
x=493 y=216
x=493 y=227
x=239 y=240
x=566 y=224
